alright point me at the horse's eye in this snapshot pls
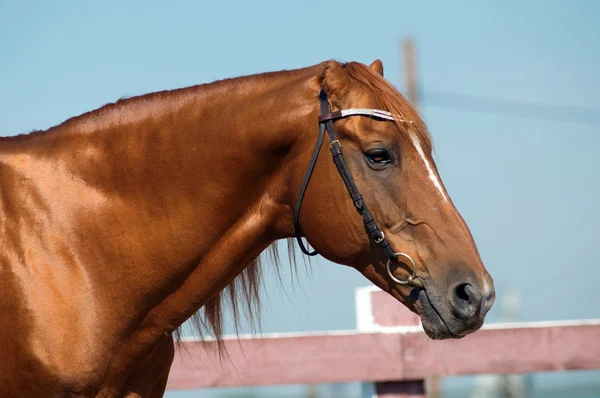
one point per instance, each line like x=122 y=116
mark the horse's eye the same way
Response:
x=379 y=156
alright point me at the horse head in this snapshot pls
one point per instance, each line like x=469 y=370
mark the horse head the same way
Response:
x=433 y=265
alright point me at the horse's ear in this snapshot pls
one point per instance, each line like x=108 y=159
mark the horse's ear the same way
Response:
x=334 y=79
x=377 y=67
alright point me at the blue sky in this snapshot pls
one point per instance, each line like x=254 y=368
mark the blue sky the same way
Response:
x=527 y=187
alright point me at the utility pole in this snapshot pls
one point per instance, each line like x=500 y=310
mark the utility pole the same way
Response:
x=412 y=94
x=410 y=72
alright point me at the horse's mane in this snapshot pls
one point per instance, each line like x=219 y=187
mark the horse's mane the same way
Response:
x=388 y=98
x=245 y=288
x=244 y=292
x=131 y=109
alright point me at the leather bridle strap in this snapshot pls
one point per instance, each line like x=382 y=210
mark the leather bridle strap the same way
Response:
x=311 y=166
x=326 y=120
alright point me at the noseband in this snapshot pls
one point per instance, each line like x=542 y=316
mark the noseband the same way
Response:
x=326 y=119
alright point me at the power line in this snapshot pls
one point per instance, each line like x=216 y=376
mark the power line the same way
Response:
x=506 y=107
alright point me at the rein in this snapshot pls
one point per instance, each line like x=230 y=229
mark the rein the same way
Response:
x=326 y=119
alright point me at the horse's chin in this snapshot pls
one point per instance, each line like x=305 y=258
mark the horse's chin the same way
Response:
x=433 y=323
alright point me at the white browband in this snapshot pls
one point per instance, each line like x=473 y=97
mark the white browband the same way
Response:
x=378 y=113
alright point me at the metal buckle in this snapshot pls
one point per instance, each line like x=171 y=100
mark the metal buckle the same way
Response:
x=379 y=240
x=335 y=141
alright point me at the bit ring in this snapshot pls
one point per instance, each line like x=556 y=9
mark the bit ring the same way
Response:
x=411 y=278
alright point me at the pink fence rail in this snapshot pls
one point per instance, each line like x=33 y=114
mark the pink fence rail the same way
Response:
x=389 y=349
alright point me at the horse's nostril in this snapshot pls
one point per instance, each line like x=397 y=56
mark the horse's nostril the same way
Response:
x=464 y=292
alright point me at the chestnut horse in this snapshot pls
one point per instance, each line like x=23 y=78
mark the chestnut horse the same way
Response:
x=120 y=224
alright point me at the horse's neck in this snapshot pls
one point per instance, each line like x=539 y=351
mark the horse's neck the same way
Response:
x=169 y=208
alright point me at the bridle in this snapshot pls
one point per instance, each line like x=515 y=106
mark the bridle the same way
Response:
x=326 y=119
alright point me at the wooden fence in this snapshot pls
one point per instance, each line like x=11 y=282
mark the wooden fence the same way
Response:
x=389 y=349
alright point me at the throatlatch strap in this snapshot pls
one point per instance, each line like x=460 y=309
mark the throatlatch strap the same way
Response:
x=311 y=166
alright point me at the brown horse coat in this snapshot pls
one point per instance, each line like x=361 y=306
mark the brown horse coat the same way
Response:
x=118 y=225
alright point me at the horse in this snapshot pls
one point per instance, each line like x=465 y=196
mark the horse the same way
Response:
x=118 y=225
